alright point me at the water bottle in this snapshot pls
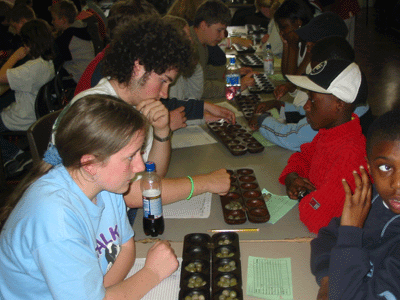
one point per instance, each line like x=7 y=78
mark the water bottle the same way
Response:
x=150 y=185
x=268 y=59
x=232 y=76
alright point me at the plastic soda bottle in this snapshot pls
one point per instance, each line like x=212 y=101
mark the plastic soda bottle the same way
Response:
x=150 y=185
x=268 y=59
x=232 y=76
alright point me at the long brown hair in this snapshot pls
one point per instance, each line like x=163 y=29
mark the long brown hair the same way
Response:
x=36 y=34
x=100 y=125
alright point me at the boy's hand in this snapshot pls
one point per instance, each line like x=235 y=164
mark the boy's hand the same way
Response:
x=157 y=114
x=264 y=106
x=323 y=289
x=177 y=118
x=214 y=112
x=253 y=124
x=357 y=205
x=21 y=52
x=265 y=38
x=281 y=90
x=247 y=81
x=245 y=70
x=294 y=184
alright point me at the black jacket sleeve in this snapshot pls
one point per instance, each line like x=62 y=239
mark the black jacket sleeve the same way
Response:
x=194 y=109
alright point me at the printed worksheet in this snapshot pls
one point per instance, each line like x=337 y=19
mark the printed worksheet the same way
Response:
x=167 y=289
x=270 y=278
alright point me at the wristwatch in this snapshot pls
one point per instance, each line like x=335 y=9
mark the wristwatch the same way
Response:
x=167 y=138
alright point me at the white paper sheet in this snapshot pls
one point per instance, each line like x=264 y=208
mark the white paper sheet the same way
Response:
x=197 y=207
x=191 y=136
x=167 y=289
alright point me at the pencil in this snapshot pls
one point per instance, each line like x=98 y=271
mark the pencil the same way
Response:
x=235 y=230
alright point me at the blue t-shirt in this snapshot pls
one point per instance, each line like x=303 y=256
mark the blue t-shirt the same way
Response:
x=57 y=244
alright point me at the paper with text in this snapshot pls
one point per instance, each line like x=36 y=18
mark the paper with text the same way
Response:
x=167 y=289
x=197 y=207
x=278 y=206
x=269 y=278
x=191 y=136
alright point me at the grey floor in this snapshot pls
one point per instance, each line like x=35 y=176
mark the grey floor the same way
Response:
x=378 y=54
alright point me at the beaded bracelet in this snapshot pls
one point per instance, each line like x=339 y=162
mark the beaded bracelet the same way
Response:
x=191 y=191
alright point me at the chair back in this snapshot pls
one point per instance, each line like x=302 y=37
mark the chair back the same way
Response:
x=39 y=135
x=54 y=95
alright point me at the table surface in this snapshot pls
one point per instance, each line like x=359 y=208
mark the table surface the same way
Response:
x=304 y=284
x=287 y=238
x=267 y=166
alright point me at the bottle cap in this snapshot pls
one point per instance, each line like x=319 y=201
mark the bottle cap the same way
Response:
x=150 y=166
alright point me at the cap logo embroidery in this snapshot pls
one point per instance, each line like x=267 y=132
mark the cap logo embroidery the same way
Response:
x=314 y=204
x=319 y=68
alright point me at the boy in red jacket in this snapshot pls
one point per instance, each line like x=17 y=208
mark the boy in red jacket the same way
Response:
x=335 y=88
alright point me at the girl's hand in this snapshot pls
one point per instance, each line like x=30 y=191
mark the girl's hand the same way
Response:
x=356 y=206
x=161 y=260
x=20 y=53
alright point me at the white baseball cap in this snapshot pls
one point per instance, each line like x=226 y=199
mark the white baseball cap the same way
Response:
x=340 y=78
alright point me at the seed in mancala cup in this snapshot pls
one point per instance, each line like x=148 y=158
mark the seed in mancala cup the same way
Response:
x=252 y=194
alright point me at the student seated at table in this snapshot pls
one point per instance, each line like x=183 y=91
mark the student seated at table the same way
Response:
x=68 y=236
x=335 y=88
x=37 y=49
x=180 y=109
x=296 y=131
x=356 y=256
x=141 y=78
x=73 y=45
x=186 y=9
x=290 y=16
x=211 y=20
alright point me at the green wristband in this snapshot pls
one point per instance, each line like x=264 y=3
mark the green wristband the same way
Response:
x=191 y=191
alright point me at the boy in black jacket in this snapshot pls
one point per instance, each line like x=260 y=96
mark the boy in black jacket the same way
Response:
x=73 y=46
x=357 y=256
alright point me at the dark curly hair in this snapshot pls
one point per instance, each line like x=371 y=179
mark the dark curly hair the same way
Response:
x=36 y=34
x=157 y=45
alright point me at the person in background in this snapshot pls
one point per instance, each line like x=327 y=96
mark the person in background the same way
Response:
x=94 y=6
x=259 y=14
x=6 y=37
x=68 y=236
x=186 y=9
x=356 y=255
x=209 y=26
x=347 y=10
x=187 y=85
x=95 y=25
x=335 y=88
x=181 y=108
x=19 y=15
x=73 y=45
x=296 y=131
x=37 y=48
x=290 y=16
x=141 y=78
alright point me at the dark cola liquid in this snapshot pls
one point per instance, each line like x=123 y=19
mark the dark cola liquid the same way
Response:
x=153 y=227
